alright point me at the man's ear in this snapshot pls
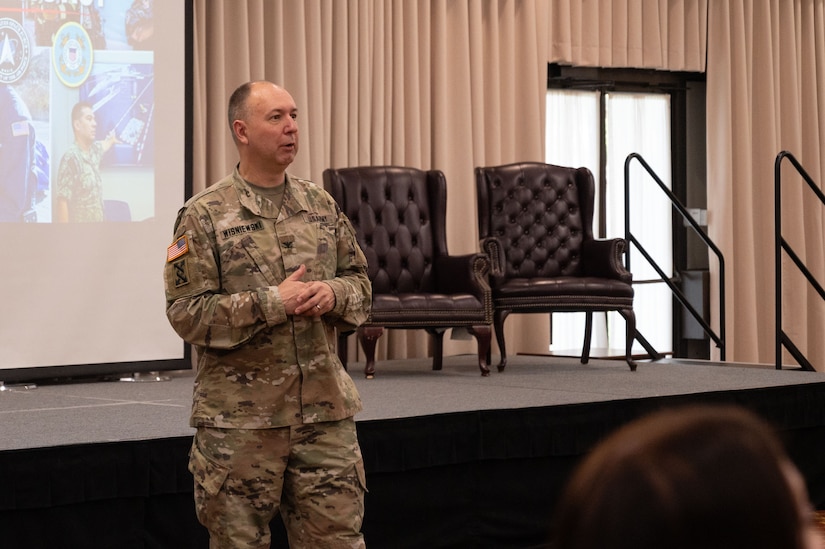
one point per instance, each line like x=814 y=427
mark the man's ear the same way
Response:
x=239 y=129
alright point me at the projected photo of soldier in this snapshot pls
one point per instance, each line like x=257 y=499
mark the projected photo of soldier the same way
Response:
x=111 y=178
x=79 y=187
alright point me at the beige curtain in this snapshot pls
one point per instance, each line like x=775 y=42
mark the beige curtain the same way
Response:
x=766 y=94
x=651 y=34
x=455 y=84
x=432 y=84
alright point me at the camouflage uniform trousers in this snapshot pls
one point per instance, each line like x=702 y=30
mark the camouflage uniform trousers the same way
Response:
x=312 y=473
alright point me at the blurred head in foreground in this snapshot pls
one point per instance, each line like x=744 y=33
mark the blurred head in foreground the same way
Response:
x=698 y=477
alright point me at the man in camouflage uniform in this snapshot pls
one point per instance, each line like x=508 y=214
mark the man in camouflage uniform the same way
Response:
x=79 y=191
x=263 y=268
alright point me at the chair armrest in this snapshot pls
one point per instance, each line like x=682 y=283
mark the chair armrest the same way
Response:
x=492 y=248
x=603 y=259
x=463 y=274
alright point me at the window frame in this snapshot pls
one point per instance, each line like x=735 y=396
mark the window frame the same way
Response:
x=685 y=89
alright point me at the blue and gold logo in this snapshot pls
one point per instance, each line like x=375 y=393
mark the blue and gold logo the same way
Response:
x=14 y=51
x=72 y=54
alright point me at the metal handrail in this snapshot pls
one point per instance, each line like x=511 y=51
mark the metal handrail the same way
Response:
x=780 y=244
x=719 y=338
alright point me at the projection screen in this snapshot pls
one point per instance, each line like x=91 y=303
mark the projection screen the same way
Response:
x=88 y=201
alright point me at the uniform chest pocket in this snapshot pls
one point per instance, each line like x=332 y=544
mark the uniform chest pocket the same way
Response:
x=326 y=238
x=246 y=265
x=325 y=234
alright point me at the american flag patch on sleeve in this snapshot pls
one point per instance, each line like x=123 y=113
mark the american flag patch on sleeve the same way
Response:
x=19 y=128
x=177 y=249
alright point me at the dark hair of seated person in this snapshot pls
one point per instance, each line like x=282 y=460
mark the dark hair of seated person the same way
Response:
x=699 y=477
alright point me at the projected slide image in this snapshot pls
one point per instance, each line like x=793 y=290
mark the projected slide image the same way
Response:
x=93 y=169
x=77 y=107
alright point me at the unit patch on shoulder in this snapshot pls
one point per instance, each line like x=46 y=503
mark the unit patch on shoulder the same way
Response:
x=181 y=273
x=177 y=249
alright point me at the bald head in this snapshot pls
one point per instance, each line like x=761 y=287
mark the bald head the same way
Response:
x=239 y=101
x=263 y=118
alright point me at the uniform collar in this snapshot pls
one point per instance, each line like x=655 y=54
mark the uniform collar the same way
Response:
x=261 y=206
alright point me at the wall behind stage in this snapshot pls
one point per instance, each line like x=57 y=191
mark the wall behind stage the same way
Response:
x=89 y=294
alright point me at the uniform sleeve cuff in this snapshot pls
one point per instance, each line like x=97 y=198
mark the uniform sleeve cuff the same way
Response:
x=271 y=305
x=340 y=298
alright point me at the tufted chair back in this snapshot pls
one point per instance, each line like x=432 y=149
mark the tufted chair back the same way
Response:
x=535 y=222
x=541 y=214
x=399 y=215
x=399 y=218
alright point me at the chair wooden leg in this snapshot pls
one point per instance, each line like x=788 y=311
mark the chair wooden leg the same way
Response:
x=630 y=322
x=483 y=335
x=438 y=347
x=588 y=333
x=368 y=336
x=499 y=315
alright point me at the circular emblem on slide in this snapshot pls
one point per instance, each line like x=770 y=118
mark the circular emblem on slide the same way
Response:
x=14 y=50
x=72 y=54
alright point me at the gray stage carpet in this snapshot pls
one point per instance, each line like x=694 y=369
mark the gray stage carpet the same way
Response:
x=107 y=411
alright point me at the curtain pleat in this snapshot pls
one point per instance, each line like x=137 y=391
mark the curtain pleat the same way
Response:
x=651 y=34
x=765 y=95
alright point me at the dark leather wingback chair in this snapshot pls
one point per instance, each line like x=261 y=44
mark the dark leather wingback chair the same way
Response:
x=535 y=222
x=399 y=215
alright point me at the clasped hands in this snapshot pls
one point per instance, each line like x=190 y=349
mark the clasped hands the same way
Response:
x=301 y=298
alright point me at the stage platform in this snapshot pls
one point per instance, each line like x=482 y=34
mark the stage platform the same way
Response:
x=453 y=460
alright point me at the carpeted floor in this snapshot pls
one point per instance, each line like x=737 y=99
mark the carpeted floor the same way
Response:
x=103 y=411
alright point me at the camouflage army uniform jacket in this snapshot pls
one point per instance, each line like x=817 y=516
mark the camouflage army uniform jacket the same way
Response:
x=80 y=183
x=257 y=366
